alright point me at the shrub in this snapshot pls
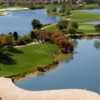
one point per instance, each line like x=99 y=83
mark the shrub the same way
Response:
x=62 y=25
x=23 y=40
x=68 y=12
x=71 y=30
x=97 y=28
x=74 y=24
x=31 y=35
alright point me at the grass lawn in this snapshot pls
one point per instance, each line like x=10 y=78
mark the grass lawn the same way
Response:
x=82 y=16
x=28 y=58
x=51 y=28
x=86 y=28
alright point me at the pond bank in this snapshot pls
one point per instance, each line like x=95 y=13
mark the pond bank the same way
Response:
x=83 y=36
x=40 y=70
x=8 y=91
x=4 y=13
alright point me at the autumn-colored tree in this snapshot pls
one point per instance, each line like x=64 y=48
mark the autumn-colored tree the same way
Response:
x=36 y=32
x=7 y=42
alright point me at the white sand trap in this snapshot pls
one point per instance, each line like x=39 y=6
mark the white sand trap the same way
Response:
x=8 y=91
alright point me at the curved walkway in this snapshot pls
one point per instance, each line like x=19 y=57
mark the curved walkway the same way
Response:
x=8 y=91
x=27 y=44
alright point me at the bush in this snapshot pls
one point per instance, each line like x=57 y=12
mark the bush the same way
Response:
x=68 y=12
x=74 y=24
x=40 y=68
x=71 y=30
x=62 y=25
x=23 y=40
x=31 y=35
x=97 y=28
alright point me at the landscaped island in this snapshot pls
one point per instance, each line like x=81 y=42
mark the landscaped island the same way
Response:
x=13 y=62
x=37 y=49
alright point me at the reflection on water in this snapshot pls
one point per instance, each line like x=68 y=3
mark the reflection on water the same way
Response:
x=92 y=22
x=97 y=11
x=64 y=57
x=97 y=44
x=81 y=72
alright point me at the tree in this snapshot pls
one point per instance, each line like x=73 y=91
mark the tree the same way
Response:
x=97 y=28
x=15 y=35
x=32 y=35
x=7 y=42
x=63 y=8
x=62 y=24
x=36 y=24
x=68 y=12
x=71 y=30
x=74 y=24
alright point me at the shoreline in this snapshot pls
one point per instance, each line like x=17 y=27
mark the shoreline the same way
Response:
x=42 y=69
x=8 y=91
x=38 y=71
x=4 y=13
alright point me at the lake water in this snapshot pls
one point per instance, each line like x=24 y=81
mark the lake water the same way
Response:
x=97 y=11
x=20 y=21
x=81 y=70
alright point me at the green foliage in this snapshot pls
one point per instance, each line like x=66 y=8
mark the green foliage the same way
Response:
x=6 y=42
x=63 y=8
x=51 y=10
x=32 y=35
x=15 y=35
x=74 y=24
x=33 y=6
x=36 y=24
x=62 y=25
x=68 y=12
x=71 y=30
x=23 y=40
x=97 y=28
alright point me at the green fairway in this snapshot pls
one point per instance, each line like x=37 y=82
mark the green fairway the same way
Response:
x=86 y=28
x=79 y=16
x=28 y=58
x=51 y=28
x=82 y=16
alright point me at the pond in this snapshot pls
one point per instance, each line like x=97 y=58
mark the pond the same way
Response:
x=97 y=11
x=20 y=21
x=80 y=70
